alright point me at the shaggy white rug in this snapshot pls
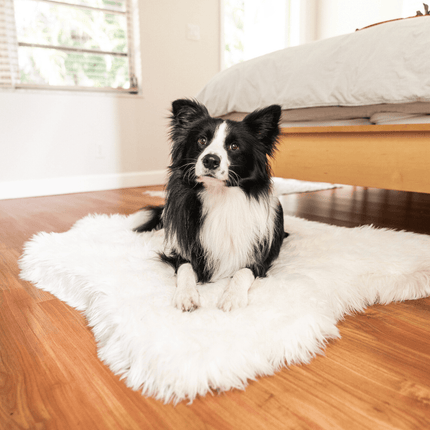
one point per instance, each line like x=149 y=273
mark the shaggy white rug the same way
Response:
x=103 y=268
x=280 y=186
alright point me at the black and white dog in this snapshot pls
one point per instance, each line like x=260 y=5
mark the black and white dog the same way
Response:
x=220 y=218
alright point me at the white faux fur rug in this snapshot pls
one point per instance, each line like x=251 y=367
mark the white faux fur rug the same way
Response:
x=103 y=268
x=280 y=186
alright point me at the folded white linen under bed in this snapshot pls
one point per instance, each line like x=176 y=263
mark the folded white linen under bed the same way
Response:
x=379 y=118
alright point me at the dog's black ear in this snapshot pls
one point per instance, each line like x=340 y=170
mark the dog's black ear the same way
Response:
x=185 y=111
x=264 y=124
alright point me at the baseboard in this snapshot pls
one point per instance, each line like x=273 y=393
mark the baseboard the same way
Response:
x=79 y=184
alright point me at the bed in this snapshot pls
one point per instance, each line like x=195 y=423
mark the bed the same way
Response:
x=355 y=108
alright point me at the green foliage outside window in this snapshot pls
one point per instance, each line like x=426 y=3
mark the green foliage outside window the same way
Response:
x=69 y=27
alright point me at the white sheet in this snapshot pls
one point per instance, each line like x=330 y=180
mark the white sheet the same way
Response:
x=398 y=118
x=334 y=123
x=388 y=63
x=378 y=118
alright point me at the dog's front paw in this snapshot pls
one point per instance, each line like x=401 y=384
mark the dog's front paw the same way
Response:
x=235 y=296
x=233 y=299
x=186 y=296
x=186 y=299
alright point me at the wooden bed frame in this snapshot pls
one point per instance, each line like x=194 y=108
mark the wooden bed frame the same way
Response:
x=395 y=157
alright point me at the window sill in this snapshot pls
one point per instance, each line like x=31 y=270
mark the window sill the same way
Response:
x=73 y=91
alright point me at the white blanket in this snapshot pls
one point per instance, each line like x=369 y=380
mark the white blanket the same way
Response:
x=388 y=63
x=103 y=268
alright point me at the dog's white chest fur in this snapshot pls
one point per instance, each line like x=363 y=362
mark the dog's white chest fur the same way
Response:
x=233 y=226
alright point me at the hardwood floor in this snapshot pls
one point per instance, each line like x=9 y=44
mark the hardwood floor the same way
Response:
x=376 y=377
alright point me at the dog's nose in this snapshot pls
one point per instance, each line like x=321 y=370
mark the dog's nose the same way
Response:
x=211 y=161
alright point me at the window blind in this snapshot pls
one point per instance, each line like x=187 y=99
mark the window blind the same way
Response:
x=70 y=44
x=8 y=46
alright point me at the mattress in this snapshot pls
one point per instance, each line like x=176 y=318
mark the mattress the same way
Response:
x=378 y=118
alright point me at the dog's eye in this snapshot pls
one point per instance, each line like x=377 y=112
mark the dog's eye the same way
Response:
x=202 y=141
x=233 y=147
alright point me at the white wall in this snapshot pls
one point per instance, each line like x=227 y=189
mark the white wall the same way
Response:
x=335 y=17
x=50 y=142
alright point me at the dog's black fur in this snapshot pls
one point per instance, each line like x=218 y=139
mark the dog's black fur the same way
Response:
x=248 y=145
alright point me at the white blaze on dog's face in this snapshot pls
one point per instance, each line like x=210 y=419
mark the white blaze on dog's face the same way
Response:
x=213 y=161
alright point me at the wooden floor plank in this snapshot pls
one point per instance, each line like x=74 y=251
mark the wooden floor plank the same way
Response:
x=375 y=377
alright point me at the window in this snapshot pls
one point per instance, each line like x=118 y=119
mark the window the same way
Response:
x=256 y=27
x=67 y=44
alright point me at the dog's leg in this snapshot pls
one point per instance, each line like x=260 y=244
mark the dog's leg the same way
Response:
x=186 y=296
x=236 y=294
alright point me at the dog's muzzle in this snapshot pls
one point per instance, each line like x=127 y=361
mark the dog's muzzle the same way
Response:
x=214 y=165
x=211 y=161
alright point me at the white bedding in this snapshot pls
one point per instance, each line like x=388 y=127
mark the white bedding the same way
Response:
x=385 y=64
x=377 y=118
x=397 y=118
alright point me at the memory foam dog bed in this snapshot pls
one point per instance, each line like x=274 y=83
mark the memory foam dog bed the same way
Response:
x=103 y=268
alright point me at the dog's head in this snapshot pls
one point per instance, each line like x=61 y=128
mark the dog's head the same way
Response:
x=229 y=151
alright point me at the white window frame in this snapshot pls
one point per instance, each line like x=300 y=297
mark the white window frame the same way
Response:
x=9 y=45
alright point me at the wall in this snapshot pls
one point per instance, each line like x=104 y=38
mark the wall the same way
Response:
x=55 y=142
x=335 y=17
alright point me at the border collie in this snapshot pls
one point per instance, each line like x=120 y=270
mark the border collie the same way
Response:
x=220 y=219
